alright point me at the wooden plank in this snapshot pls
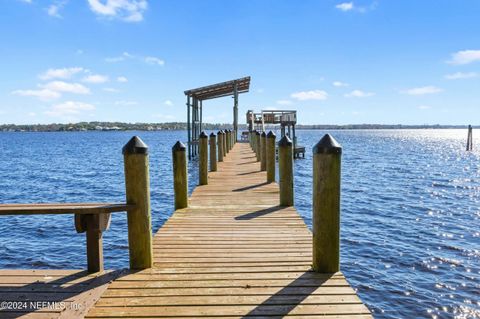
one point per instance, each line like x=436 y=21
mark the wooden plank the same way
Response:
x=63 y=208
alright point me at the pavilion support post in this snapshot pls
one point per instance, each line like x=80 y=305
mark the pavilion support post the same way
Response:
x=326 y=205
x=189 y=129
x=235 y=110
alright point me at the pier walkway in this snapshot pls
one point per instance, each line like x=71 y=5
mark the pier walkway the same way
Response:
x=232 y=253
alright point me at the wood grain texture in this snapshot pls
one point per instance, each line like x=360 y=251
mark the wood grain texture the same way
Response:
x=233 y=253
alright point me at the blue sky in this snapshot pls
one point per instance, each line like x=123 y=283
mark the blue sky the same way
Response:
x=336 y=62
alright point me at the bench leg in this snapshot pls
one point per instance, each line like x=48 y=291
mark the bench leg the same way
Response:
x=94 y=244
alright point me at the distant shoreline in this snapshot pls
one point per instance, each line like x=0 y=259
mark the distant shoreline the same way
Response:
x=177 y=126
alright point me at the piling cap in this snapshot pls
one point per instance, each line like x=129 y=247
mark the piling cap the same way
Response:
x=327 y=145
x=257 y=133
x=203 y=135
x=219 y=132
x=271 y=135
x=135 y=146
x=179 y=146
x=285 y=141
x=212 y=134
x=264 y=134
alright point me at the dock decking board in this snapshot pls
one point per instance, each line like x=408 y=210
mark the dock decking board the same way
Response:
x=233 y=253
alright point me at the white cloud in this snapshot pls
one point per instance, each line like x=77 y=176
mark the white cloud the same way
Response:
x=168 y=103
x=122 y=79
x=26 y=1
x=120 y=58
x=126 y=10
x=126 y=103
x=284 y=102
x=359 y=93
x=54 y=9
x=111 y=90
x=430 y=89
x=64 y=73
x=44 y=94
x=339 y=84
x=424 y=107
x=154 y=60
x=60 y=86
x=310 y=95
x=465 y=57
x=32 y=114
x=461 y=75
x=69 y=108
x=345 y=6
x=95 y=79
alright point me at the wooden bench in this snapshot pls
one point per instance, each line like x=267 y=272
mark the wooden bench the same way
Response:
x=92 y=218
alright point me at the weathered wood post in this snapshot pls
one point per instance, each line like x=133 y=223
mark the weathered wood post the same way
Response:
x=254 y=138
x=469 y=139
x=93 y=225
x=271 y=157
x=230 y=135
x=285 y=170
x=203 y=159
x=213 y=152
x=137 y=183
x=180 y=176
x=326 y=205
x=263 y=152
x=224 y=143
x=220 y=146
x=258 y=150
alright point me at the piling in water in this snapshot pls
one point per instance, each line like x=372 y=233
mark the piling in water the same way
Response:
x=203 y=159
x=180 y=177
x=326 y=205
x=270 y=157
x=285 y=166
x=137 y=183
x=470 y=138
x=213 y=152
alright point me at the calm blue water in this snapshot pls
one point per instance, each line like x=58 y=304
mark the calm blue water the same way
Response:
x=410 y=209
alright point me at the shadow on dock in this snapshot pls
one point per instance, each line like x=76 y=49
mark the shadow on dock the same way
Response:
x=31 y=292
x=288 y=298
x=242 y=189
x=260 y=213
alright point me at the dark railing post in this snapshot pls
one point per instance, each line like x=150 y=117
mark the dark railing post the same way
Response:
x=263 y=151
x=137 y=182
x=326 y=205
x=180 y=177
x=203 y=159
x=271 y=157
x=213 y=152
x=285 y=167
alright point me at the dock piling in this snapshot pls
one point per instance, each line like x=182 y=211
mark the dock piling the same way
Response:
x=285 y=166
x=469 y=139
x=225 y=151
x=270 y=157
x=263 y=153
x=203 y=159
x=258 y=149
x=137 y=183
x=180 y=183
x=326 y=205
x=213 y=152
x=220 y=145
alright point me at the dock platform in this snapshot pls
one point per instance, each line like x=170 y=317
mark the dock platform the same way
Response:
x=233 y=253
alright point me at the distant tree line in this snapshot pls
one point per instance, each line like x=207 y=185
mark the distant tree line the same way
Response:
x=120 y=126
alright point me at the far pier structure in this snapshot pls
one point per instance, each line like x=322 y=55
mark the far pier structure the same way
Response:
x=195 y=98
x=287 y=119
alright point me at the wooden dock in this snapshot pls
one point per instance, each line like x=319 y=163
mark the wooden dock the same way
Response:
x=233 y=253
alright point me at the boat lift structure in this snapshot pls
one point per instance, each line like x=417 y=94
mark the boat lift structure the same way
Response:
x=195 y=98
x=287 y=119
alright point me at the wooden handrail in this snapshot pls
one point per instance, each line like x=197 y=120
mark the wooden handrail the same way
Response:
x=63 y=208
